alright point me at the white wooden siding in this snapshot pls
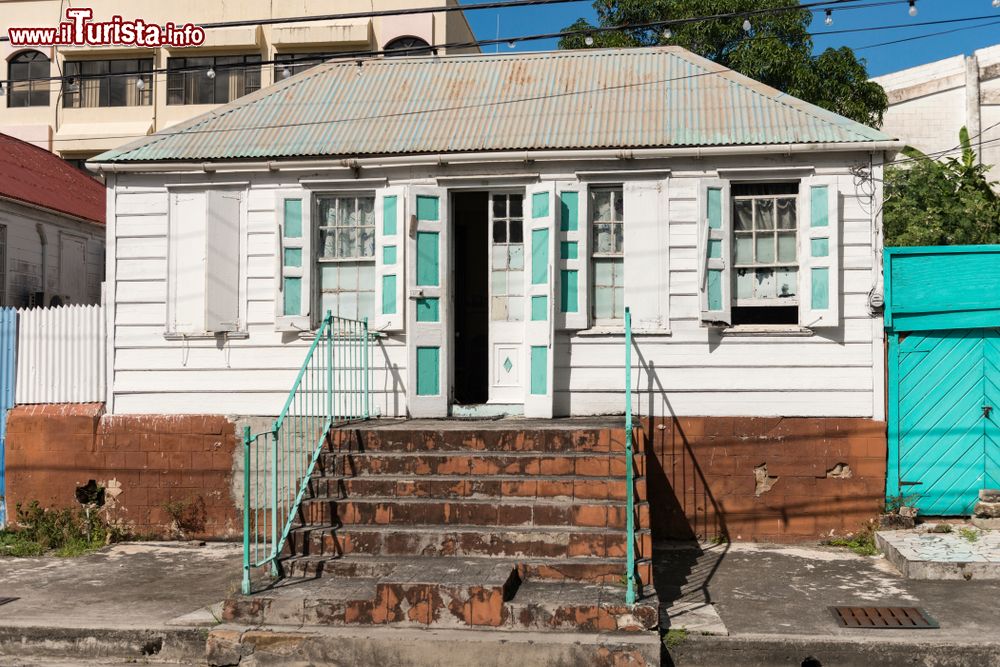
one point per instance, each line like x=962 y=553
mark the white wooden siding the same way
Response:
x=684 y=370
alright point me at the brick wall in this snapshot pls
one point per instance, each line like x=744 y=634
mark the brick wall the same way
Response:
x=764 y=479
x=148 y=464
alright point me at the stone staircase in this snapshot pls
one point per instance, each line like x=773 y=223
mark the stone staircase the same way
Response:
x=513 y=524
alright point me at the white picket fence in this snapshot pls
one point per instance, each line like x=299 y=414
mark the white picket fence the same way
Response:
x=61 y=355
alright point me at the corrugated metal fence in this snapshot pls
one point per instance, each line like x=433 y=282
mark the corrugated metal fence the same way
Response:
x=61 y=356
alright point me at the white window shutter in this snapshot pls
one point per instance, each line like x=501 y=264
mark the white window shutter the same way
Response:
x=293 y=296
x=715 y=258
x=572 y=283
x=819 y=253
x=390 y=249
x=647 y=292
x=186 y=262
x=222 y=255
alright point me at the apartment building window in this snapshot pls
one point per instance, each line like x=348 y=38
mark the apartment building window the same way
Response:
x=347 y=255
x=211 y=80
x=290 y=64
x=108 y=83
x=28 y=79
x=408 y=46
x=608 y=254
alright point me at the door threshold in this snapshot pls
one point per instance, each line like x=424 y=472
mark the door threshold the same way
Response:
x=487 y=410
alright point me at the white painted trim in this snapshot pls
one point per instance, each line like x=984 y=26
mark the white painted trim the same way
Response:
x=766 y=173
x=617 y=175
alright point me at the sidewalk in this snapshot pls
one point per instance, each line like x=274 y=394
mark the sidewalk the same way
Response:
x=773 y=603
x=139 y=600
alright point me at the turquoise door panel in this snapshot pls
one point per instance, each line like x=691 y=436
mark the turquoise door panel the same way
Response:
x=945 y=378
x=991 y=457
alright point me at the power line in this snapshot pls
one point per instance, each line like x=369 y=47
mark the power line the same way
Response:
x=926 y=35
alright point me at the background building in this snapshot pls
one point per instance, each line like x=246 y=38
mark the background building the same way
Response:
x=929 y=104
x=123 y=93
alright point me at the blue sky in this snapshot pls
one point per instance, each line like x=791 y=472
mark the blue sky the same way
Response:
x=881 y=59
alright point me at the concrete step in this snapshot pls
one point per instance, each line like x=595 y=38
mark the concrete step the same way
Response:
x=488 y=512
x=581 y=569
x=402 y=437
x=492 y=487
x=465 y=541
x=446 y=593
x=476 y=463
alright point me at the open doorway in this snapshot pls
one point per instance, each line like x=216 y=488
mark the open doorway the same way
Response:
x=470 y=229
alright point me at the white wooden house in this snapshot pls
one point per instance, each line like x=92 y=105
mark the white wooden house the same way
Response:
x=493 y=216
x=51 y=229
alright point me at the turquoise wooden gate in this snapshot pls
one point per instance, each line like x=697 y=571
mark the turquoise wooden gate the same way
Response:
x=942 y=317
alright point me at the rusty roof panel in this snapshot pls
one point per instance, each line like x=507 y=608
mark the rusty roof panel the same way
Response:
x=616 y=98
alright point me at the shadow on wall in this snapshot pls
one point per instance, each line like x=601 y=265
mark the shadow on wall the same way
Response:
x=772 y=479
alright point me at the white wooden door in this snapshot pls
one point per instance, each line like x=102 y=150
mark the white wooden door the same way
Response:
x=507 y=302
x=428 y=325
x=542 y=210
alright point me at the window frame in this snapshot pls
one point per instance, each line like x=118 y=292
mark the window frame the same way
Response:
x=291 y=60
x=507 y=220
x=178 y=75
x=596 y=256
x=318 y=260
x=143 y=71
x=776 y=231
x=32 y=81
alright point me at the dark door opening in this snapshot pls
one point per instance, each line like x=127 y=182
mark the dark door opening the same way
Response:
x=470 y=222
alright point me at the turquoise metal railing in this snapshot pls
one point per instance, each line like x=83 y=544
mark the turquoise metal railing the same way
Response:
x=629 y=463
x=331 y=389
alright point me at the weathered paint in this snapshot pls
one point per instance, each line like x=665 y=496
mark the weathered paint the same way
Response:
x=539 y=370
x=539 y=256
x=820 y=247
x=428 y=208
x=569 y=292
x=569 y=250
x=389 y=255
x=714 y=210
x=428 y=258
x=820 y=205
x=820 y=297
x=293 y=218
x=428 y=371
x=428 y=309
x=553 y=100
x=714 y=289
x=539 y=308
x=8 y=357
x=389 y=214
x=569 y=220
x=715 y=249
x=389 y=295
x=293 y=257
x=293 y=296
x=539 y=205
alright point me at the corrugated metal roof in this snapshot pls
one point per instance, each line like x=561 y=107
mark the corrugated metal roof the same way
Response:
x=35 y=176
x=616 y=98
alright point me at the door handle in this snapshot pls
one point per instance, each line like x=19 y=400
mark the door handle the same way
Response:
x=987 y=409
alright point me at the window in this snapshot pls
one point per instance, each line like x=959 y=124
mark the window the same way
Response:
x=346 y=255
x=408 y=46
x=108 y=83
x=211 y=80
x=507 y=263
x=608 y=253
x=290 y=64
x=765 y=261
x=28 y=79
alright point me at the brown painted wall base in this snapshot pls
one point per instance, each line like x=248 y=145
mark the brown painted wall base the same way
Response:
x=153 y=467
x=764 y=479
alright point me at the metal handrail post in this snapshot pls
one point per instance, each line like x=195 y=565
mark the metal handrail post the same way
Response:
x=365 y=352
x=246 y=510
x=629 y=500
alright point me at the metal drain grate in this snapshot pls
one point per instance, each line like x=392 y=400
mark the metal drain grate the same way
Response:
x=887 y=618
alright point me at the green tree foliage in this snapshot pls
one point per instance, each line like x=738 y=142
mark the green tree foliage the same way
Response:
x=777 y=51
x=949 y=202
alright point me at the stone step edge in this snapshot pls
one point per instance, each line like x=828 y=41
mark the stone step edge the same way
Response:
x=460 y=528
x=412 y=477
x=481 y=453
x=532 y=560
x=544 y=501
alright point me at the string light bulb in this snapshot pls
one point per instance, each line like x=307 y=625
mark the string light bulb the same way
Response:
x=668 y=33
x=285 y=73
x=996 y=4
x=140 y=84
x=913 y=7
x=1 y=89
x=589 y=40
x=746 y=25
x=511 y=45
x=71 y=85
x=210 y=73
x=829 y=17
